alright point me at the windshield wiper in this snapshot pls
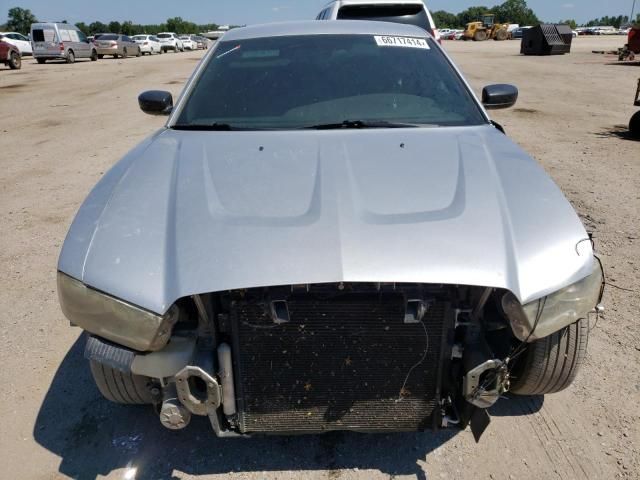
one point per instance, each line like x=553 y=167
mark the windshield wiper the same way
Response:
x=355 y=124
x=211 y=127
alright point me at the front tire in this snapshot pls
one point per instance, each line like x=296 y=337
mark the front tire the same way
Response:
x=634 y=125
x=120 y=387
x=15 y=61
x=94 y=56
x=551 y=364
x=480 y=36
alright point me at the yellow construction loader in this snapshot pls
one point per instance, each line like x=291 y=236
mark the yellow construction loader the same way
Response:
x=486 y=29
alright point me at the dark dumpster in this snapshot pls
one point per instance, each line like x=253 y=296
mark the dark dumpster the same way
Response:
x=547 y=39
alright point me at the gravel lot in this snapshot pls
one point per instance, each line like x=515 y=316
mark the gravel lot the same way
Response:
x=62 y=126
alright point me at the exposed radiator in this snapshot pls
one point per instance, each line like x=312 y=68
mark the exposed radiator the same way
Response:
x=339 y=363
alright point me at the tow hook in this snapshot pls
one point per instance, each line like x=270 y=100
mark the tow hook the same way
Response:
x=200 y=403
x=483 y=385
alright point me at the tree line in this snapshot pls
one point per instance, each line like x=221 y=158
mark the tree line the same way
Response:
x=20 y=20
x=176 y=25
x=516 y=11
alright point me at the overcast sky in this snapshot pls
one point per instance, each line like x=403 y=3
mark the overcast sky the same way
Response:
x=258 y=11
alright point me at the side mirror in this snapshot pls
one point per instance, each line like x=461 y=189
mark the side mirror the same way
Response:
x=156 y=102
x=499 y=96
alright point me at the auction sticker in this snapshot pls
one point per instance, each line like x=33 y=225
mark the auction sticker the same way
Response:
x=405 y=42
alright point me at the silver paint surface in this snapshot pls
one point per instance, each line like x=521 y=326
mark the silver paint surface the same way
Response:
x=196 y=212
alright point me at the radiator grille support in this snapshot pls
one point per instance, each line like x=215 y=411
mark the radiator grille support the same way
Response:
x=349 y=362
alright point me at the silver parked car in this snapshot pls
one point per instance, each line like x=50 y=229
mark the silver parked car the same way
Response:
x=329 y=234
x=60 y=41
x=116 y=45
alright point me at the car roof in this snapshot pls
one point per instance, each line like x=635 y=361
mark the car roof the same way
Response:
x=58 y=24
x=377 y=2
x=315 y=27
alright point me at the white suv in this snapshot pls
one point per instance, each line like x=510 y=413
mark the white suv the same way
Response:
x=170 y=41
x=413 y=12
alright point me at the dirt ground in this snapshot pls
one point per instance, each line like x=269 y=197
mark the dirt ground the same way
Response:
x=62 y=126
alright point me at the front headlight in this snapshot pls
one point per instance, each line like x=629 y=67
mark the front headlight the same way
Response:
x=552 y=313
x=113 y=319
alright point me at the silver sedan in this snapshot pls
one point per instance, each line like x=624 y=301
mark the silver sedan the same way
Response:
x=329 y=233
x=116 y=46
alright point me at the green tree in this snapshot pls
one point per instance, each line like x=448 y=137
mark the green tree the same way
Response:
x=97 y=27
x=175 y=25
x=445 y=19
x=114 y=27
x=84 y=28
x=609 y=21
x=571 y=23
x=516 y=11
x=20 y=20
x=472 y=14
x=180 y=26
x=127 y=28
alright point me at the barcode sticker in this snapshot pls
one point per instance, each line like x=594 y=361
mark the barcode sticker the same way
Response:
x=405 y=42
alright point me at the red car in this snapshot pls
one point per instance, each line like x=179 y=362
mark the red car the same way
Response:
x=10 y=55
x=634 y=39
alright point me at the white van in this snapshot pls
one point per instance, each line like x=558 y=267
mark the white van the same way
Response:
x=412 y=12
x=60 y=41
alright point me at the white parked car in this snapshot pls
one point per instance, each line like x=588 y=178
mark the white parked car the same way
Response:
x=18 y=40
x=170 y=41
x=188 y=43
x=149 y=44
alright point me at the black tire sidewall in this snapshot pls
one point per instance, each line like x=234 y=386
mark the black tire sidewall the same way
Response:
x=634 y=125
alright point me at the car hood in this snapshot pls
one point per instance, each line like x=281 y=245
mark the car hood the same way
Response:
x=194 y=212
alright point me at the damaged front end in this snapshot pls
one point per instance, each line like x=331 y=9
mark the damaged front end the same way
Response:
x=367 y=357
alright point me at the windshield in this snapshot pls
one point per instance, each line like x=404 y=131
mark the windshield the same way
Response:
x=163 y=35
x=409 y=14
x=108 y=37
x=306 y=81
x=138 y=38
